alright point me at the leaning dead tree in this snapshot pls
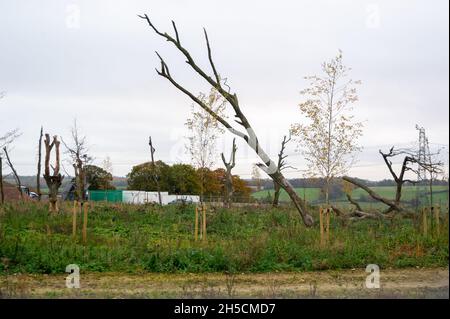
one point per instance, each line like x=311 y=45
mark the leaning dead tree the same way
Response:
x=5 y=140
x=229 y=177
x=410 y=163
x=16 y=176
x=281 y=166
x=246 y=132
x=54 y=180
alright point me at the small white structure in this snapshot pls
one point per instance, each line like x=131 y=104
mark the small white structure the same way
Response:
x=142 y=197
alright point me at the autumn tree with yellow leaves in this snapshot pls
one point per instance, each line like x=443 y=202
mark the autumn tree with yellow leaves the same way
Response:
x=328 y=140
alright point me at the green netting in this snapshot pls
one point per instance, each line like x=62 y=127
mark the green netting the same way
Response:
x=109 y=196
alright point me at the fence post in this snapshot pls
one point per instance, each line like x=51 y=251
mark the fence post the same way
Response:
x=85 y=221
x=196 y=224
x=74 y=219
x=424 y=220
x=321 y=225
x=437 y=213
x=446 y=215
x=328 y=225
x=204 y=222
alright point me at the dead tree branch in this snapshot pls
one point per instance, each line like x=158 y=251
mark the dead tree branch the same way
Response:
x=16 y=176
x=281 y=166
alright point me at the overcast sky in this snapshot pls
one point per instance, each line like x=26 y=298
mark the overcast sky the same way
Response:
x=94 y=61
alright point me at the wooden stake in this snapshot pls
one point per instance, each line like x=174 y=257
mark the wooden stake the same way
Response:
x=85 y=221
x=196 y=224
x=204 y=222
x=74 y=219
x=321 y=225
x=424 y=221
x=328 y=225
x=437 y=213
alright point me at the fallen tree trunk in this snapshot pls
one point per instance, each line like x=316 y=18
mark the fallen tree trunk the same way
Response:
x=391 y=204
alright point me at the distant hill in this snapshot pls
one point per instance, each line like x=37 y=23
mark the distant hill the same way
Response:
x=30 y=181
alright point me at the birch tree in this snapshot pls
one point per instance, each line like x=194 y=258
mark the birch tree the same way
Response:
x=204 y=130
x=329 y=138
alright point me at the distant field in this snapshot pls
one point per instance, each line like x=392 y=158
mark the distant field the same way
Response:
x=440 y=194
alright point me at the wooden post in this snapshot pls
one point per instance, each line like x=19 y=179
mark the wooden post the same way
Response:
x=446 y=215
x=204 y=222
x=437 y=213
x=196 y=224
x=321 y=225
x=424 y=221
x=74 y=219
x=85 y=220
x=328 y=225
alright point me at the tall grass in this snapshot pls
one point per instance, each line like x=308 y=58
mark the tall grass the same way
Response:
x=134 y=239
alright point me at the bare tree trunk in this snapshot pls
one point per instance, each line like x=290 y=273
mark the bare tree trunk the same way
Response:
x=16 y=176
x=155 y=175
x=53 y=181
x=276 y=194
x=2 y=193
x=38 y=177
x=281 y=166
x=229 y=177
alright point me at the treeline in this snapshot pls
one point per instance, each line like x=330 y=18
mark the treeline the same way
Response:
x=185 y=179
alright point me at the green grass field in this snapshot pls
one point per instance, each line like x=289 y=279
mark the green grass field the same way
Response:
x=134 y=239
x=312 y=195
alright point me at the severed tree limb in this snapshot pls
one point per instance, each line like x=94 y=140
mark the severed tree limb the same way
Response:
x=352 y=201
x=392 y=205
x=250 y=137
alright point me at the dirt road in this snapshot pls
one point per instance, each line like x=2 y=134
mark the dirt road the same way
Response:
x=394 y=283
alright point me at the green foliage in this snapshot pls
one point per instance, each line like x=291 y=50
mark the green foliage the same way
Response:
x=183 y=180
x=98 y=178
x=129 y=238
x=141 y=177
